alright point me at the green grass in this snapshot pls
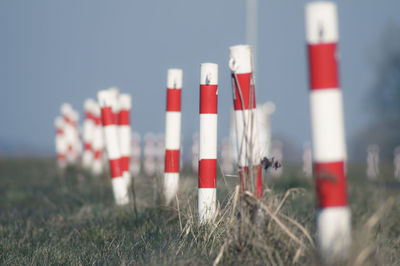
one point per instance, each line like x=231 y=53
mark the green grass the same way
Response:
x=48 y=219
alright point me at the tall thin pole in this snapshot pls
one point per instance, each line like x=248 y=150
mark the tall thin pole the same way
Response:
x=244 y=102
x=172 y=134
x=251 y=31
x=207 y=197
x=112 y=145
x=329 y=146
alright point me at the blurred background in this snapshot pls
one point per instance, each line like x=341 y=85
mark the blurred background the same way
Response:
x=65 y=51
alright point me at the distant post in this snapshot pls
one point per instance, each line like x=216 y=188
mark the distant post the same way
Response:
x=60 y=142
x=124 y=130
x=98 y=141
x=87 y=136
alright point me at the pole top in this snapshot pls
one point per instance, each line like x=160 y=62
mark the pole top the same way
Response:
x=208 y=74
x=88 y=105
x=114 y=92
x=268 y=108
x=125 y=101
x=96 y=109
x=240 y=59
x=74 y=115
x=174 y=78
x=105 y=98
x=321 y=22
x=66 y=109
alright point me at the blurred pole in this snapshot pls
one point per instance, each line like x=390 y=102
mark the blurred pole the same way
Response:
x=112 y=146
x=98 y=141
x=124 y=131
x=136 y=154
x=150 y=154
x=251 y=31
x=60 y=142
x=327 y=121
x=373 y=161
x=87 y=134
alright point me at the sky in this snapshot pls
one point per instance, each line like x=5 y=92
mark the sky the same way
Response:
x=66 y=50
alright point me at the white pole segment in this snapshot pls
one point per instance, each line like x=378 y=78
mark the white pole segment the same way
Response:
x=149 y=154
x=251 y=30
x=136 y=154
x=264 y=128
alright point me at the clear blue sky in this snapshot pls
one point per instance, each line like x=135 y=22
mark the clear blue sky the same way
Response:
x=65 y=51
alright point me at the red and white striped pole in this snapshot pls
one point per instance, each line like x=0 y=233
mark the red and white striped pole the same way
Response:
x=124 y=130
x=88 y=129
x=329 y=147
x=98 y=141
x=172 y=134
x=113 y=150
x=77 y=137
x=244 y=101
x=207 y=200
x=69 y=132
x=61 y=144
x=114 y=94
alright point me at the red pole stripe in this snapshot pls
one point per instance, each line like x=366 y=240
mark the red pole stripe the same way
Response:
x=60 y=156
x=66 y=118
x=115 y=168
x=208 y=99
x=259 y=185
x=173 y=100
x=97 y=120
x=123 y=118
x=208 y=173
x=125 y=163
x=244 y=80
x=107 y=116
x=115 y=118
x=97 y=154
x=331 y=184
x=171 y=161
x=59 y=132
x=89 y=116
x=88 y=146
x=323 y=66
x=244 y=173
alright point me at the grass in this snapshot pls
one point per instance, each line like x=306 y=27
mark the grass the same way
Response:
x=48 y=219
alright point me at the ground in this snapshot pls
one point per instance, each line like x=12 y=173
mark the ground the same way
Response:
x=48 y=218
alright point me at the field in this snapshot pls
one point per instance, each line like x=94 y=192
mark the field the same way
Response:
x=47 y=218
